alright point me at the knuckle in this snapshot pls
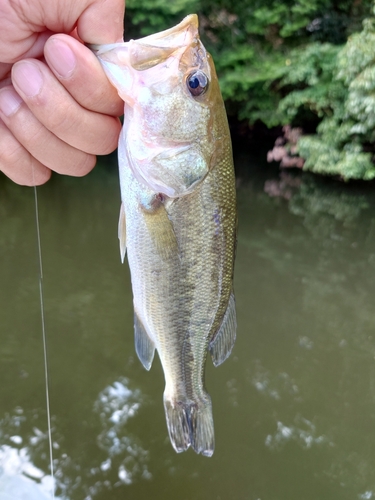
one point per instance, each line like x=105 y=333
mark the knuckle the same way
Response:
x=60 y=123
x=17 y=163
x=109 y=140
x=11 y=154
x=34 y=176
x=34 y=136
x=42 y=175
x=85 y=166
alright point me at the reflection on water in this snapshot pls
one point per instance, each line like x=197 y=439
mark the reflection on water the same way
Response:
x=294 y=405
x=303 y=433
x=19 y=477
x=124 y=457
x=319 y=258
x=115 y=405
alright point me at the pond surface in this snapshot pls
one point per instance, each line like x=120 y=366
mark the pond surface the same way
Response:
x=294 y=405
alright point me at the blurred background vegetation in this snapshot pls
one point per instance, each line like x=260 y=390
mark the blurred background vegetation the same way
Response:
x=295 y=63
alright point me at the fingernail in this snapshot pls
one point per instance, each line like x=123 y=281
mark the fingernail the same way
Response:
x=10 y=101
x=60 y=57
x=27 y=77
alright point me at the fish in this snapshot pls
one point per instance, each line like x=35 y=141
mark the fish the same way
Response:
x=178 y=218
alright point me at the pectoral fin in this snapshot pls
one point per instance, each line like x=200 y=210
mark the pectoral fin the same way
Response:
x=122 y=232
x=161 y=231
x=221 y=345
x=144 y=346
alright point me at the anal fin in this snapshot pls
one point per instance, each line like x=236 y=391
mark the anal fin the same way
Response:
x=144 y=346
x=122 y=232
x=221 y=345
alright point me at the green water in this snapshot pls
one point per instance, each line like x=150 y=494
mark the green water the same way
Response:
x=294 y=406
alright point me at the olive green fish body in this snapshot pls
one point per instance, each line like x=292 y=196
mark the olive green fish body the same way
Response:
x=179 y=217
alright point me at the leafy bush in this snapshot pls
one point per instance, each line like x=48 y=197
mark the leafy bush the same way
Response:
x=144 y=17
x=341 y=93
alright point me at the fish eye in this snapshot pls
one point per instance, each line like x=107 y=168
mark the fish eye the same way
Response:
x=197 y=83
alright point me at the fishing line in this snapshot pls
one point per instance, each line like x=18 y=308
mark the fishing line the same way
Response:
x=44 y=336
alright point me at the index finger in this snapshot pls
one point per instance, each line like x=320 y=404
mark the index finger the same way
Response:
x=80 y=72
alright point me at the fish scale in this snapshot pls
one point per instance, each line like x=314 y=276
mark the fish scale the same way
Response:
x=179 y=215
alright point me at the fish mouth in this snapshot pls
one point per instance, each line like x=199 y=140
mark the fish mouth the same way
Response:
x=151 y=50
x=147 y=52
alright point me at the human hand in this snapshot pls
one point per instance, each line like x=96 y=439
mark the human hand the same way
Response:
x=57 y=108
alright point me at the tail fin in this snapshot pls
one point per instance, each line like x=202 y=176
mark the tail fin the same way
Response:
x=190 y=423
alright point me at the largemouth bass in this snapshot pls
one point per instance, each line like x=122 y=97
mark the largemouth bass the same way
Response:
x=178 y=216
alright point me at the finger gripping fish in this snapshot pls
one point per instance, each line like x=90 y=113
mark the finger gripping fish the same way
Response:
x=178 y=216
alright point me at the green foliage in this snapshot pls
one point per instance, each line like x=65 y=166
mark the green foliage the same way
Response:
x=356 y=67
x=342 y=94
x=310 y=76
x=350 y=162
x=257 y=43
x=247 y=87
x=358 y=53
x=144 y=17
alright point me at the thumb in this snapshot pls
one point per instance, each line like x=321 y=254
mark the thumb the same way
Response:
x=21 y=36
x=102 y=22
